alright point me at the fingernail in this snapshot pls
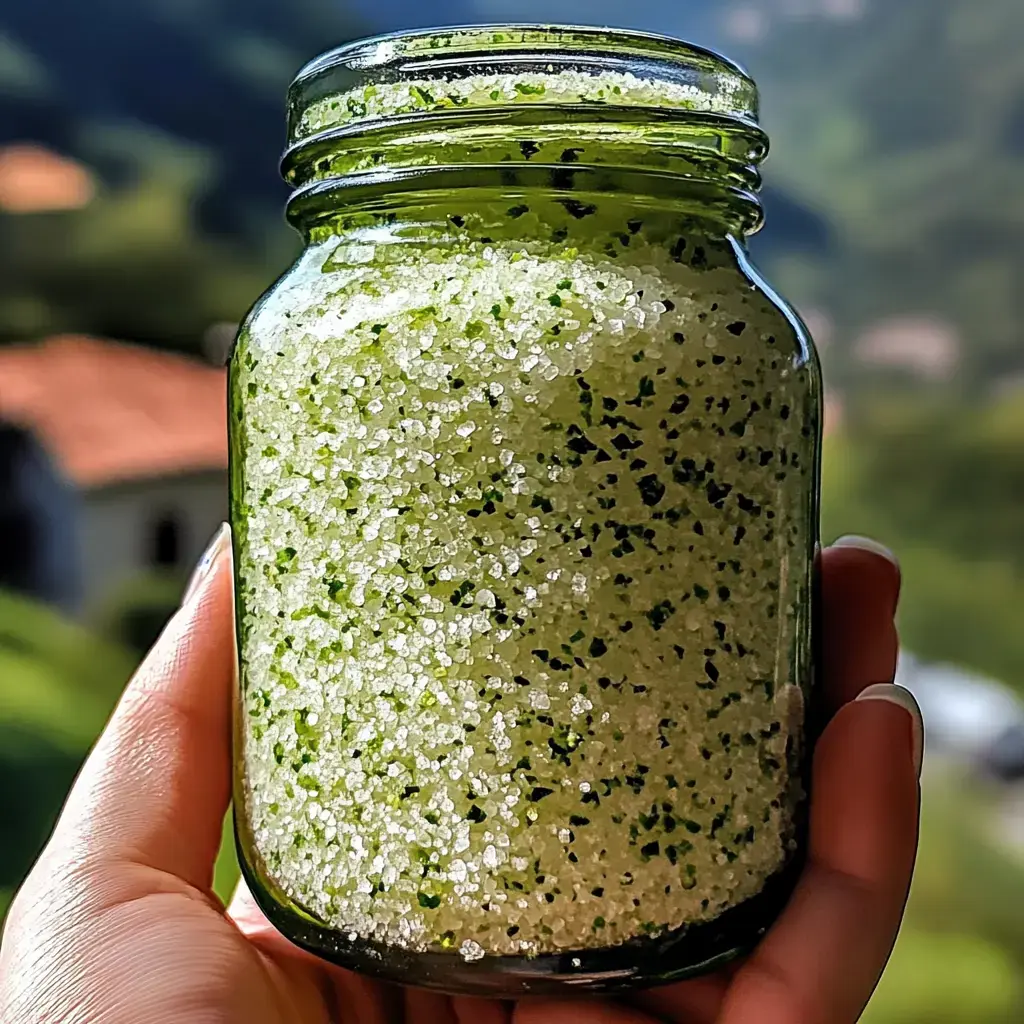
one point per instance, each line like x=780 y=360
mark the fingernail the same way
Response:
x=903 y=698
x=867 y=544
x=220 y=540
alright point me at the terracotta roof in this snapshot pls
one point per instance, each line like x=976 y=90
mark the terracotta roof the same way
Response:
x=834 y=409
x=34 y=179
x=925 y=344
x=111 y=413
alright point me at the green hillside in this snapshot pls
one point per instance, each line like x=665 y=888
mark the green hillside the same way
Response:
x=58 y=685
x=905 y=129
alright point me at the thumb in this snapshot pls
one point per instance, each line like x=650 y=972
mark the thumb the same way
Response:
x=156 y=787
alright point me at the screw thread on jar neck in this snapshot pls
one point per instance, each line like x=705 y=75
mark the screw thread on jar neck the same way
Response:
x=554 y=105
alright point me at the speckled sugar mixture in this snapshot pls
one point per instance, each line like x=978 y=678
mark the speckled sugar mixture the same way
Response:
x=523 y=570
x=720 y=93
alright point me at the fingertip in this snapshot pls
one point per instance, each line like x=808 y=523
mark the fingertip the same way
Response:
x=902 y=698
x=189 y=669
x=861 y=563
x=243 y=909
x=207 y=607
x=868 y=545
x=215 y=551
x=859 y=642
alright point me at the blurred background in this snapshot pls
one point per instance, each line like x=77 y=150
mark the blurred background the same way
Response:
x=140 y=215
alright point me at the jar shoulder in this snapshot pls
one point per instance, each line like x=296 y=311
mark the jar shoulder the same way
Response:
x=268 y=317
x=794 y=336
x=338 y=287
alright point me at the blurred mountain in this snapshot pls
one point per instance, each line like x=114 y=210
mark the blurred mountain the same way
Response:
x=211 y=73
x=903 y=123
x=898 y=147
x=175 y=108
x=214 y=75
x=171 y=113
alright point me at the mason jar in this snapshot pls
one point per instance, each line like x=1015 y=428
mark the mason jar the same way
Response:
x=525 y=470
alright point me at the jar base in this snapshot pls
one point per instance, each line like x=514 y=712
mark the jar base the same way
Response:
x=640 y=963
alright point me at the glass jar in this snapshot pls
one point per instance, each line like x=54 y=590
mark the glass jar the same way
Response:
x=525 y=504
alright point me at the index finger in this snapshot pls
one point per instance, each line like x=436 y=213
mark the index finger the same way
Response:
x=156 y=786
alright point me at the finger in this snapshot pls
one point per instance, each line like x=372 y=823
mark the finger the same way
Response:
x=156 y=787
x=245 y=912
x=578 y=1013
x=860 y=587
x=860 y=583
x=352 y=998
x=821 y=962
x=481 y=1011
x=422 y=1007
x=690 y=1002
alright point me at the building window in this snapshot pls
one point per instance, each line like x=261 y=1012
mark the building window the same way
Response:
x=166 y=543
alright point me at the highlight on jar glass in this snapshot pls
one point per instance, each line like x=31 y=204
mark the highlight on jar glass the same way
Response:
x=525 y=471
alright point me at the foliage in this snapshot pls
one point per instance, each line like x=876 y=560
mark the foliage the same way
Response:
x=960 y=957
x=186 y=230
x=58 y=678
x=120 y=266
x=136 y=613
x=226 y=872
x=940 y=978
x=943 y=485
x=976 y=478
x=58 y=684
x=901 y=134
x=967 y=880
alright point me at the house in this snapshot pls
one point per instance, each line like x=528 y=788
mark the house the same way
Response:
x=834 y=408
x=924 y=346
x=34 y=179
x=141 y=438
x=38 y=522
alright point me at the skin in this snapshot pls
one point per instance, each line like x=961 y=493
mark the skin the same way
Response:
x=118 y=924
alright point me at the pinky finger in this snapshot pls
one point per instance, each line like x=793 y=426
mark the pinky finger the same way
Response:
x=821 y=962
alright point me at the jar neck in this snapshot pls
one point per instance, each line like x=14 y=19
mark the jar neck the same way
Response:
x=580 y=197
x=568 y=111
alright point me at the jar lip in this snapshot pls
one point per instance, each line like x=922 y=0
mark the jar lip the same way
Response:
x=394 y=49
x=503 y=66
x=473 y=95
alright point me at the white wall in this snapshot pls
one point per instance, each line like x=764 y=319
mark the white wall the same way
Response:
x=118 y=523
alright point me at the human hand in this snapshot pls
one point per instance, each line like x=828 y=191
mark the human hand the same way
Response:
x=117 y=922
